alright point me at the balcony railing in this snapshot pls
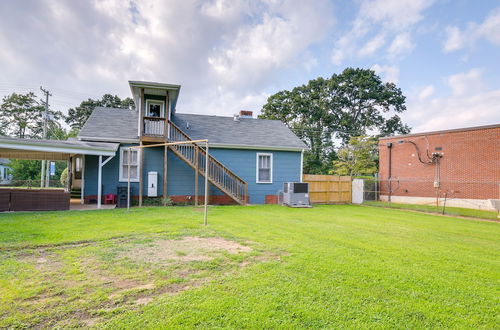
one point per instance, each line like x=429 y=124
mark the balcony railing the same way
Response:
x=154 y=126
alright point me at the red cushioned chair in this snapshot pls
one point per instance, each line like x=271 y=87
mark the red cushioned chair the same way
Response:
x=110 y=199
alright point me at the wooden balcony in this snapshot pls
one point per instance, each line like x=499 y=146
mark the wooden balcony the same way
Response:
x=154 y=129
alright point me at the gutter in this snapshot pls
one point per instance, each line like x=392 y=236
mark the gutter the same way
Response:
x=101 y=139
x=253 y=147
x=47 y=147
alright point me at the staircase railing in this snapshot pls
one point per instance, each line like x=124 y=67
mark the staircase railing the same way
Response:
x=218 y=174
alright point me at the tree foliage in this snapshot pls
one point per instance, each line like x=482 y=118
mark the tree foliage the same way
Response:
x=352 y=103
x=77 y=116
x=358 y=157
x=25 y=169
x=20 y=115
x=30 y=170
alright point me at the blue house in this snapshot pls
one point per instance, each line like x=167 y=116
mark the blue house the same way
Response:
x=249 y=159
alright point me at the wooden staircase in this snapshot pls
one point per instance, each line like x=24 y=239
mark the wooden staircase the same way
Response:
x=218 y=174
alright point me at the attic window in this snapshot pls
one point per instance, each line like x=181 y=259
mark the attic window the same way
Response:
x=155 y=108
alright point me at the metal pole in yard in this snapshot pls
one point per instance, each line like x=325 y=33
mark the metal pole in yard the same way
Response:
x=444 y=204
x=206 y=184
x=128 y=178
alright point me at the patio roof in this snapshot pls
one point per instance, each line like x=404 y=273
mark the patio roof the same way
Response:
x=18 y=148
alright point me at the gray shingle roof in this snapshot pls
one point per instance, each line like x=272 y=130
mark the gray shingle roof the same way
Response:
x=110 y=123
x=245 y=132
x=121 y=125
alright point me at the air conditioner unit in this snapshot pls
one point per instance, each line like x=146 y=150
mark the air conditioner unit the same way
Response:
x=296 y=194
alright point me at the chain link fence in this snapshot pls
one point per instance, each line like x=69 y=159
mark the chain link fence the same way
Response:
x=464 y=198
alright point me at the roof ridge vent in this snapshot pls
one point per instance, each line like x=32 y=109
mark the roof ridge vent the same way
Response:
x=236 y=117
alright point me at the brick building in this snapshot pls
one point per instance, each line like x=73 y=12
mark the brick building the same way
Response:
x=462 y=165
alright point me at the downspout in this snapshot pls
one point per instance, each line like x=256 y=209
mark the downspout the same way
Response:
x=301 y=165
x=389 y=146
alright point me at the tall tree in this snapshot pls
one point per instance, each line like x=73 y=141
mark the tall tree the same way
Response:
x=77 y=116
x=359 y=102
x=20 y=114
x=352 y=103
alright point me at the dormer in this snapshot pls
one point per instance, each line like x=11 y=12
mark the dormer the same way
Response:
x=155 y=103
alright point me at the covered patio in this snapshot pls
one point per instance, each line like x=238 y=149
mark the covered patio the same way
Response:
x=55 y=150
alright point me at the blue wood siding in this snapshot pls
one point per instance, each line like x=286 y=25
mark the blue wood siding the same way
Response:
x=180 y=181
x=286 y=167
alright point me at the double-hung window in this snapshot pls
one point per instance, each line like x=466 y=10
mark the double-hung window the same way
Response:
x=264 y=168
x=134 y=164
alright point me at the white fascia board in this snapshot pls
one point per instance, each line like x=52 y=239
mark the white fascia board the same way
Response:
x=101 y=139
x=58 y=149
x=242 y=146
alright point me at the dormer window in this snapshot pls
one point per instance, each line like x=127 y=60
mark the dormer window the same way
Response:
x=155 y=108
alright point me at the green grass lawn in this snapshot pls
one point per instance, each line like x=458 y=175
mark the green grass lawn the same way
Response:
x=325 y=267
x=460 y=211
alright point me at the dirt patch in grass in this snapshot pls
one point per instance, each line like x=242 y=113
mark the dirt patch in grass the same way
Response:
x=84 y=285
x=185 y=249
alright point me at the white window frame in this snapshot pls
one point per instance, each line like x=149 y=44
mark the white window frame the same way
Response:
x=257 y=167
x=123 y=177
x=161 y=103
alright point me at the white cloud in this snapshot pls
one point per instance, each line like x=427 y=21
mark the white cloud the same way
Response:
x=88 y=48
x=225 y=10
x=394 y=14
x=389 y=73
x=284 y=32
x=385 y=19
x=489 y=29
x=401 y=45
x=372 y=45
x=469 y=103
x=466 y=83
x=454 y=112
x=426 y=92
x=455 y=39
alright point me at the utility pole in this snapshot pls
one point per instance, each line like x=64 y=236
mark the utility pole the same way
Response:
x=45 y=175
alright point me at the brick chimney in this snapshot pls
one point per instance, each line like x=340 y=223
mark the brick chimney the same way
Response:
x=246 y=114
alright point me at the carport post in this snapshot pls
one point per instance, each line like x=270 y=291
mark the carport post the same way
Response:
x=99 y=183
x=82 y=187
x=99 y=179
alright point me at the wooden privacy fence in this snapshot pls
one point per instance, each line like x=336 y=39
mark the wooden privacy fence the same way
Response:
x=329 y=188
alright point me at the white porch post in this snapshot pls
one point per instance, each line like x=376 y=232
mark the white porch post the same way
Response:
x=99 y=179
x=99 y=183
x=82 y=185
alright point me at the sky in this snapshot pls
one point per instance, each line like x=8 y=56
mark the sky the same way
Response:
x=230 y=55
